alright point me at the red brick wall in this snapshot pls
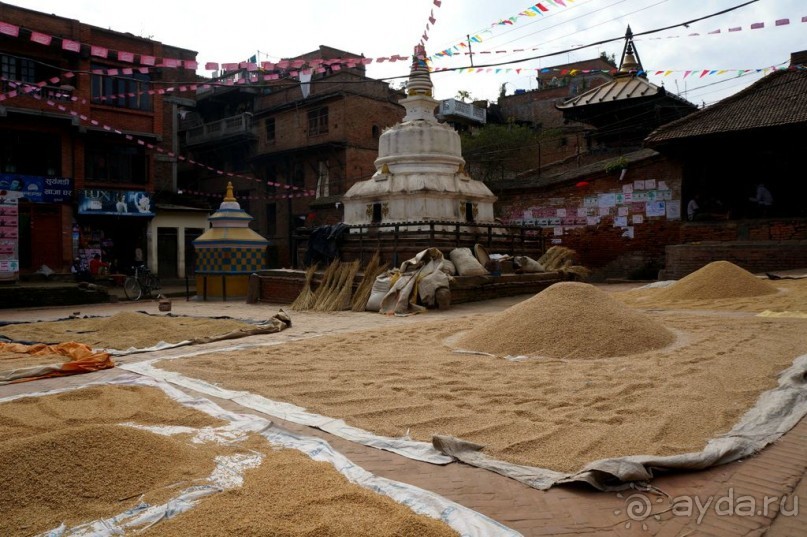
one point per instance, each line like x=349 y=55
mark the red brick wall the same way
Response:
x=683 y=259
x=602 y=246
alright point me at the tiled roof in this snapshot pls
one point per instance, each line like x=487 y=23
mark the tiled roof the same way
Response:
x=778 y=99
x=619 y=89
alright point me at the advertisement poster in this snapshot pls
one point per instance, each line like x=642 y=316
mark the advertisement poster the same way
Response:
x=115 y=202
x=9 y=244
x=37 y=189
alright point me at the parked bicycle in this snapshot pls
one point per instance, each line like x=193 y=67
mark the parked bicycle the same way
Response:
x=141 y=284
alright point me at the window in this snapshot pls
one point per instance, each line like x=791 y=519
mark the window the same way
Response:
x=17 y=69
x=376 y=219
x=109 y=163
x=469 y=211
x=298 y=175
x=129 y=91
x=318 y=121
x=376 y=131
x=323 y=187
x=270 y=130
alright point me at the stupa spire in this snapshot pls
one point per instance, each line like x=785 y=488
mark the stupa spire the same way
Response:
x=420 y=82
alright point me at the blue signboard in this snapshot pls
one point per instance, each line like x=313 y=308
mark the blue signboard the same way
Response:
x=39 y=189
x=114 y=202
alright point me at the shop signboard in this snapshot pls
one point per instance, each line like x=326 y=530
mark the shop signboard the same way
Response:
x=38 y=189
x=9 y=241
x=114 y=202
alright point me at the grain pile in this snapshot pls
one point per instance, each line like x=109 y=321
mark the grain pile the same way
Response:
x=568 y=320
x=717 y=280
x=62 y=458
x=291 y=495
x=550 y=413
x=122 y=330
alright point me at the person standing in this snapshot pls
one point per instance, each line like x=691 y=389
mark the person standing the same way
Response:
x=763 y=200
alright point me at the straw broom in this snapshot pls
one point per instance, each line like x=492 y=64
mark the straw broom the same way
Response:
x=306 y=298
x=362 y=295
x=341 y=300
x=324 y=287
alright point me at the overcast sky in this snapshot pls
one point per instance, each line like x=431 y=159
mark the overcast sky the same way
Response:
x=234 y=30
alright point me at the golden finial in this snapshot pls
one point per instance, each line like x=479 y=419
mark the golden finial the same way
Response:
x=229 y=196
x=385 y=169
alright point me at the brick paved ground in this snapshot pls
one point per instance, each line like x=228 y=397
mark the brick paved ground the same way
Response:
x=725 y=500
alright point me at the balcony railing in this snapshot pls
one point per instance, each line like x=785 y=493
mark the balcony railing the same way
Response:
x=453 y=107
x=64 y=93
x=218 y=130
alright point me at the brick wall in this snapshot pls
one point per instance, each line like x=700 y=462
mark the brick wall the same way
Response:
x=602 y=246
x=683 y=259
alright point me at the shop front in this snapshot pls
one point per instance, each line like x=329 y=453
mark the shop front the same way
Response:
x=113 y=224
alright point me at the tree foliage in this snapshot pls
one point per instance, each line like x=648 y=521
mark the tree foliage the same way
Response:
x=498 y=151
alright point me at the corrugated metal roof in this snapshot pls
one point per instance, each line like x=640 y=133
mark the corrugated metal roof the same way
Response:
x=779 y=99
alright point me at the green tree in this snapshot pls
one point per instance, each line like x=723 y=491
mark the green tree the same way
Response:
x=464 y=95
x=498 y=151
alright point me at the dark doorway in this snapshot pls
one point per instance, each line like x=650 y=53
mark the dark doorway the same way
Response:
x=167 y=252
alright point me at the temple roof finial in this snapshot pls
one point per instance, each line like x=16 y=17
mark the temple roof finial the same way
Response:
x=420 y=82
x=229 y=196
x=630 y=63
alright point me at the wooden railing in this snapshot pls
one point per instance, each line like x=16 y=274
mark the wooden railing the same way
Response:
x=399 y=241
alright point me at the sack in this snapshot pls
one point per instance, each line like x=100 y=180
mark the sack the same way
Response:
x=465 y=262
x=380 y=289
x=527 y=264
x=448 y=267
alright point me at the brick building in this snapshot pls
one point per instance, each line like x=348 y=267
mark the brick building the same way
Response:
x=296 y=148
x=82 y=112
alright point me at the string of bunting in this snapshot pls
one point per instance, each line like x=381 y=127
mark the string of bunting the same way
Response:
x=432 y=21
x=144 y=63
x=215 y=195
x=659 y=72
x=31 y=90
x=461 y=49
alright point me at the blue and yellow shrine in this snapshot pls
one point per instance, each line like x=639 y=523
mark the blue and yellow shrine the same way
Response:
x=228 y=252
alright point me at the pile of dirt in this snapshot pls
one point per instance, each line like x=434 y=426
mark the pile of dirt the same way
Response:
x=719 y=279
x=568 y=320
x=94 y=470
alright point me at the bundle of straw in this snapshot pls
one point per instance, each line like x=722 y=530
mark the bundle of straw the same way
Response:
x=324 y=289
x=556 y=258
x=341 y=300
x=371 y=272
x=306 y=298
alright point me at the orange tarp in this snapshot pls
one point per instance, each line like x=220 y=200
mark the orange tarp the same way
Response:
x=80 y=359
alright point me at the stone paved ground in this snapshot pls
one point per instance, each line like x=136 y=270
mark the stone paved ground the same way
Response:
x=751 y=497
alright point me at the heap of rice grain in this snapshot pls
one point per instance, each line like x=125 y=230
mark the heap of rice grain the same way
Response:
x=568 y=320
x=719 y=279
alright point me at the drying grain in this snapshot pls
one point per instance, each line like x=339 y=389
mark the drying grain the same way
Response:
x=568 y=320
x=122 y=330
x=291 y=495
x=719 y=279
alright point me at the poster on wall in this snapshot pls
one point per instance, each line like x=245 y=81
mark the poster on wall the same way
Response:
x=9 y=242
x=115 y=202
x=656 y=208
x=674 y=210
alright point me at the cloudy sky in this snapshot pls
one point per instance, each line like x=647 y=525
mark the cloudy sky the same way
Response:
x=234 y=30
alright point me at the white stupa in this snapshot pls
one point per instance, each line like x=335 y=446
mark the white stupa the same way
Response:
x=420 y=173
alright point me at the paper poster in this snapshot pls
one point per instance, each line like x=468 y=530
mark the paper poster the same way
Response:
x=640 y=196
x=561 y=213
x=555 y=221
x=619 y=198
x=627 y=189
x=650 y=184
x=592 y=220
x=662 y=185
x=628 y=232
x=582 y=212
x=542 y=222
x=620 y=221
x=622 y=211
x=665 y=194
x=674 y=210
x=605 y=211
x=590 y=201
x=637 y=218
x=627 y=197
x=656 y=208
x=638 y=185
x=558 y=230
x=557 y=241
x=607 y=200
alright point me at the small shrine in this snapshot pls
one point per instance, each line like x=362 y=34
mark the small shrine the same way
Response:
x=228 y=252
x=420 y=173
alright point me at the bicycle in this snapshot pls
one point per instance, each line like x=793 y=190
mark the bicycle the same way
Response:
x=141 y=284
